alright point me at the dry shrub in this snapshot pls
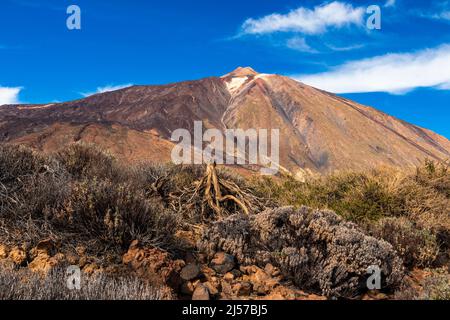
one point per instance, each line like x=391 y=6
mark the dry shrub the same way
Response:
x=435 y=285
x=88 y=161
x=17 y=162
x=90 y=205
x=318 y=250
x=164 y=180
x=417 y=247
x=110 y=214
x=29 y=183
x=366 y=198
x=435 y=175
x=27 y=179
x=25 y=285
x=190 y=191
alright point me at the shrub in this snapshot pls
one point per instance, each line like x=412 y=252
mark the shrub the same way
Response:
x=433 y=284
x=417 y=247
x=96 y=204
x=437 y=286
x=110 y=214
x=18 y=162
x=27 y=180
x=162 y=180
x=435 y=175
x=318 y=250
x=25 y=285
x=29 y=183
x=88 y=161
x=366 y=198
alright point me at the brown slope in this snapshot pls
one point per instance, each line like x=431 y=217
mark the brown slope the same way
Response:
x=320 y=132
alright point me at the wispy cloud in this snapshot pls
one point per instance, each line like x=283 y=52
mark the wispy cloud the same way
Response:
x=393 y=73
x=9 y=95
x=108 y=88
x=390 y=3
x=300 y=44
x=439 y=11
x=444 y=15
x=346 y=48
x=307 y=21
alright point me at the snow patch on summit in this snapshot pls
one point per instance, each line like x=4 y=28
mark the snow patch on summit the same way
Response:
x=234 y=84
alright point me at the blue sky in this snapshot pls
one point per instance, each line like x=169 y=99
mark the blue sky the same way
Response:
x=402 y=69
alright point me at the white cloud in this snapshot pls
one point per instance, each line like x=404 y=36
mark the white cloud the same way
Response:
x=390 y=3
x=308 y=21
x=444 y=86
x=9 y=95
x=445 y=15
x=347 y=48
x=108 y=88
x=300 y=44
x=393 y=73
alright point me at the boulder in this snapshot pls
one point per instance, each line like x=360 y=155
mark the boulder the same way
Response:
x=190 y=272
x=243 y=289
x=223 y=262
x=155 y=264
x=201 y=293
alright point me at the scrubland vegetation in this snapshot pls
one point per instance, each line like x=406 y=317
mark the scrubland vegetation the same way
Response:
x=82 y=196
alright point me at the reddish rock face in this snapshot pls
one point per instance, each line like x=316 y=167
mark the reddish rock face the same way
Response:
x=154 y=264
x=319 y=132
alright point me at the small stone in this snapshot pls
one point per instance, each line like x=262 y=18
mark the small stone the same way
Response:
x=243 y=289
x=202 y=258
x=187 y=288
x=226 y=288
x=236 y=273
x=201 y=293
x=81 y=251
x=134 y=245
x=18 y=256
x=3 y=252
x=269 y=269
x=212 y=288
x=223 y=262
x=248 y=269
x=189 y=272
x=262 y=282
x=82 y=261
x=91 y=268
x=190 y=258
x=46 y=246
x=72 y=259
x=229 y=277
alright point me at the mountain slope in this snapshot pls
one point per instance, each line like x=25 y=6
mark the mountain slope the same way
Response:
x=319 y=132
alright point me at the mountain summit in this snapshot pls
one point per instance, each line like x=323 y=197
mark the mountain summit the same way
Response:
x=319 y=132
x=242 y=72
